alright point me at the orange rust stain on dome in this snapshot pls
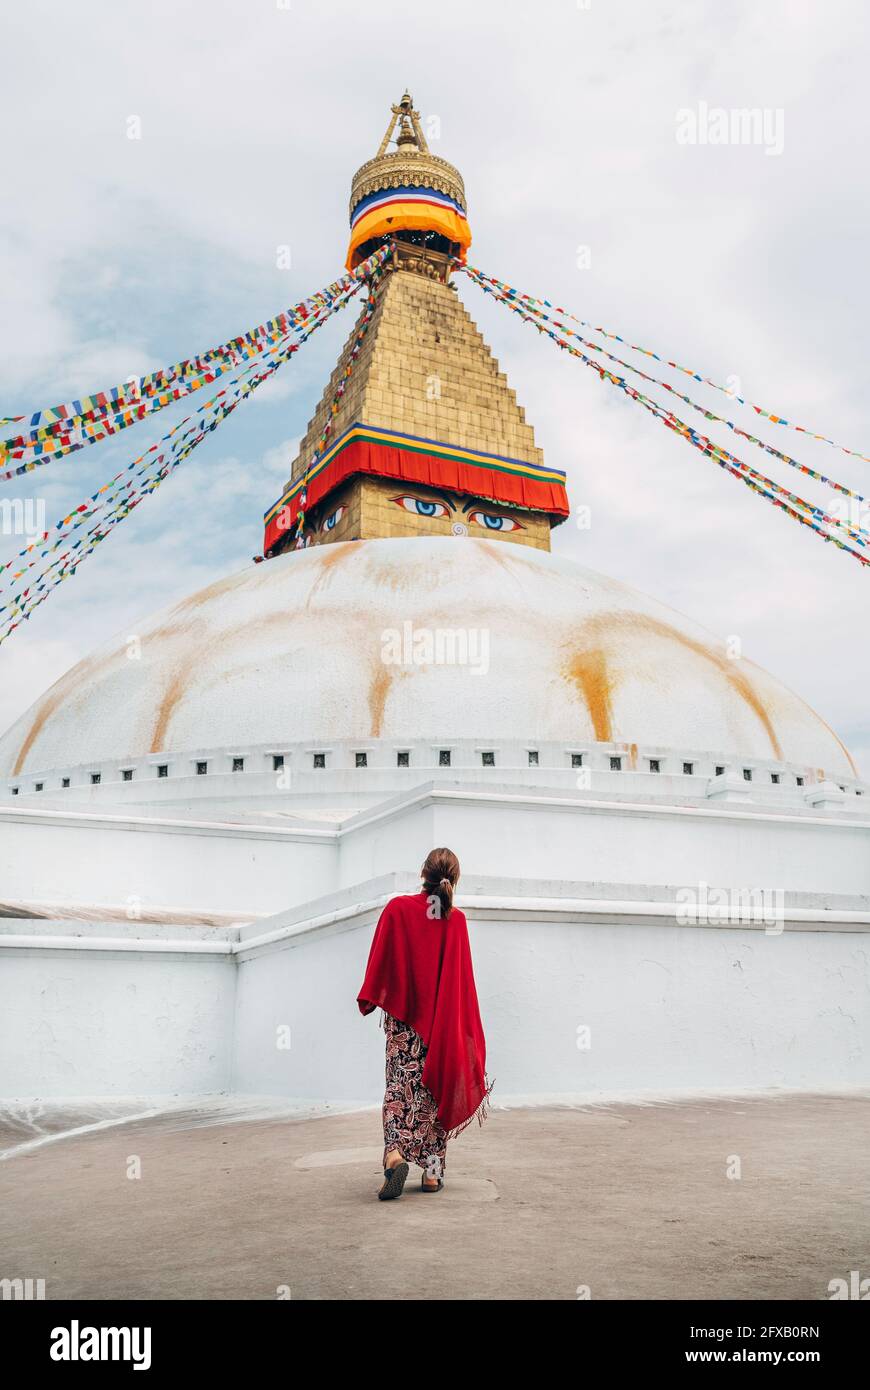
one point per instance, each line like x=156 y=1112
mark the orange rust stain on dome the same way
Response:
x=54 y=698
x=740 y=682
x=183 y=676
x=172 y=697
x=746 y=690
x=589 y=669
x=202 y=597
x=379 y=689
x=51 y=702
x=329 y=557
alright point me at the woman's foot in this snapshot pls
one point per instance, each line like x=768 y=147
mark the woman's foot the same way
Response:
x=432 y=1176
x=395 y=1173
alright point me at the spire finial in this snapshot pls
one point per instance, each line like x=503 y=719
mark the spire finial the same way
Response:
x=410 y=130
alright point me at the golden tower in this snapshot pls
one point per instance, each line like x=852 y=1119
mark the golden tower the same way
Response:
x=427 y=437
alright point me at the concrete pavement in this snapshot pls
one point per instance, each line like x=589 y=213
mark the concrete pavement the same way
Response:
x=629 y=1201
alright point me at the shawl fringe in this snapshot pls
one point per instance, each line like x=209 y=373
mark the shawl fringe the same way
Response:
x=482 y=1111
x=480 y=1114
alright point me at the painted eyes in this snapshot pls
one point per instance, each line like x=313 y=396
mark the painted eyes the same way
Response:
x=333 y=519
x=421 y=507
x=492 y=522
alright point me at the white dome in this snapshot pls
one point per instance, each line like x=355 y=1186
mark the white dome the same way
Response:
x=293 y=651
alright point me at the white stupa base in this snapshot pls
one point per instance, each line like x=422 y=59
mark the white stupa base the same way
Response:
x=586 y=990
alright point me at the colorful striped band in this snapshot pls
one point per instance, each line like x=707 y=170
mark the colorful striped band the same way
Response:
x=424 y=196
x=407 y=458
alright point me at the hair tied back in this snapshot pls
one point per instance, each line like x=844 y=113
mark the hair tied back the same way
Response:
x=440 y=874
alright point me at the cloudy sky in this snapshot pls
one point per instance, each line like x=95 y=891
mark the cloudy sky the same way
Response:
x=118 y=256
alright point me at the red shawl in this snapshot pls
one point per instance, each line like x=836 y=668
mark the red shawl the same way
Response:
x=419 y=970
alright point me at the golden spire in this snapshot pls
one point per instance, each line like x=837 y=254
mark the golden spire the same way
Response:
x=410 y=130
x=426 y=437
x=407 y=189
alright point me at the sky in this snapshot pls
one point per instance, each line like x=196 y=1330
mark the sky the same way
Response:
x=745 y=261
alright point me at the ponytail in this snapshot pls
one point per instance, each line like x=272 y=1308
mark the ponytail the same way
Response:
x=440 y=875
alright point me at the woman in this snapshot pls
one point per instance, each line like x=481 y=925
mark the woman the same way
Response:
x=420 y=974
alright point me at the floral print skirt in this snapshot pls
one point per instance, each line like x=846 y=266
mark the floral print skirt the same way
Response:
x=410 y=1113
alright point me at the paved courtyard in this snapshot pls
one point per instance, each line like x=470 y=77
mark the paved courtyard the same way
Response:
x=629 y=1201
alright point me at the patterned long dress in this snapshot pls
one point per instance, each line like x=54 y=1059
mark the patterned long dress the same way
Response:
x=410 y=1113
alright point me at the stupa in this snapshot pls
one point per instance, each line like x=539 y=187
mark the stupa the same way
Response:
x=196 y=836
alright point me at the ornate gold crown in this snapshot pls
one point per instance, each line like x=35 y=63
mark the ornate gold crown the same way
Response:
x=410 y=164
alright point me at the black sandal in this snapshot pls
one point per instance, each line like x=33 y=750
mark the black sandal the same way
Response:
x=395 y=1182
x=424 y=1188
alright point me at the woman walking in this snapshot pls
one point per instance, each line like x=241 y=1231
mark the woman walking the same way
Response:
x=420 y=974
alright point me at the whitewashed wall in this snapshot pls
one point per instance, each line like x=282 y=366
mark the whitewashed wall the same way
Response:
x=249 y=869
x=667 y=1007
x=551 y=837
x=86 y=1023
x=208 y=867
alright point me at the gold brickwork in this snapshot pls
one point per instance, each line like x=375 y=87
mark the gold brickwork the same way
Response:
x=425 y=370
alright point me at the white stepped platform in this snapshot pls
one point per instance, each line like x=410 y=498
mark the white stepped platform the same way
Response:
x=166 y=1008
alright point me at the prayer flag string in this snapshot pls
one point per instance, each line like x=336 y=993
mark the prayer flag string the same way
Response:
x=64 y=429
x=484 y=282
x=797 y=507
x=687 y=371
x=109 y=512
x=115 y=500
x=365 y=319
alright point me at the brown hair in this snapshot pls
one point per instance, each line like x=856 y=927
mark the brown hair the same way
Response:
x=440 y=875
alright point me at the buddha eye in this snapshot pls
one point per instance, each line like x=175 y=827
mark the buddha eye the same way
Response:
x=421 y=506
x=333 y=519
x=494 y=522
